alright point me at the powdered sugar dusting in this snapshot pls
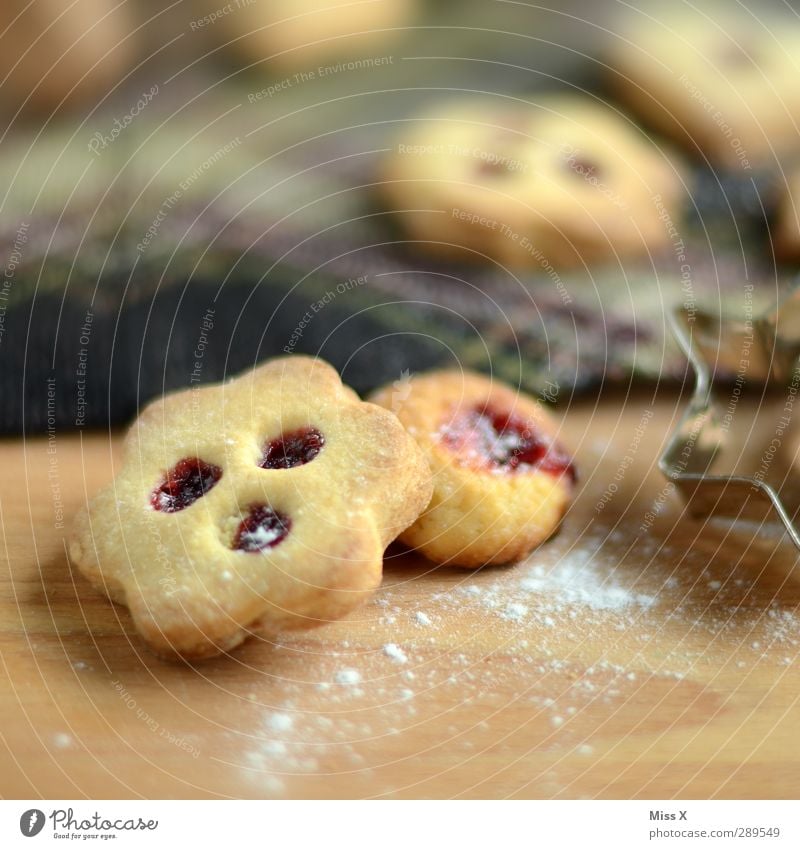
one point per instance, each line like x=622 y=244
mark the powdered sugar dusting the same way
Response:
x=514 y=611
x=578 y=579
x=348 y=676
x=280 y=722
x=395 y=653
x=583 y=587
x=62 y=740
x=564 y=648
x=263 y=537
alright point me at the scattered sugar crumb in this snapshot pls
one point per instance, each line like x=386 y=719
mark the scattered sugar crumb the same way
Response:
x=348 y=676
x=273 y=786
x=514 y=611
x=422 y=618
x=395 y=653
x=579 y=579
x=280 y=722
x=62 y=740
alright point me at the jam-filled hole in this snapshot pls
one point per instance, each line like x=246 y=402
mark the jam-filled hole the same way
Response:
x=496 y=440
x=261 y=529
x=188 y=480
x=292 y=449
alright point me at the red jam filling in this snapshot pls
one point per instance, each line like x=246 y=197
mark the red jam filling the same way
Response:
x=185 y=482
x=494 y=440
x=293 y=449
x=263 y=528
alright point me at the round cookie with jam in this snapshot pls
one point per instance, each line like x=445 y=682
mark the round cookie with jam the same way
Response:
x=502 y=480
x=564 y=181
x=259 y=505
x=719 y=78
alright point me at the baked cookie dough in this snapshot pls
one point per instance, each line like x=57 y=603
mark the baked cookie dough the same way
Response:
x=722 y=80
x=55 y=52
x=564 y=181
x=502 y=480
x=261 y=504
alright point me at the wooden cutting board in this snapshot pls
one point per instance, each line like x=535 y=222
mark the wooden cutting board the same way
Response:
x=619 y=661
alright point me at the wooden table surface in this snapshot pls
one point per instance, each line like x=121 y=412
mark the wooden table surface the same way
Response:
x=619 y=661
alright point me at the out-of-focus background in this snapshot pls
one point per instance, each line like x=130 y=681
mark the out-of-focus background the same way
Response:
x=160 y=161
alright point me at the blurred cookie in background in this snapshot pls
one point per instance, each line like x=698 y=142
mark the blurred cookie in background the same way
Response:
x=54 y=53
x=297 y=33
x=786 y=230
x=722 y=80
x=565 y=181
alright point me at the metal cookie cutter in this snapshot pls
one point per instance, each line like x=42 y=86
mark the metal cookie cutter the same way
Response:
x=732 y=356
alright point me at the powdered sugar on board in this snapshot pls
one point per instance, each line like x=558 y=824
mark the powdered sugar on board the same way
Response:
x=581 y=585
x=579 y=580
x=393 y=651
x=559 y=648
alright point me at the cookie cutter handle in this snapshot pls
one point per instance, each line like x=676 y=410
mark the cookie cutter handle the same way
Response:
x=695 y=443
x=693 y=447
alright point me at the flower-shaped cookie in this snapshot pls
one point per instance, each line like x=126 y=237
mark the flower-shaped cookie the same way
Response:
x=257 y=505
x=502 y=481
